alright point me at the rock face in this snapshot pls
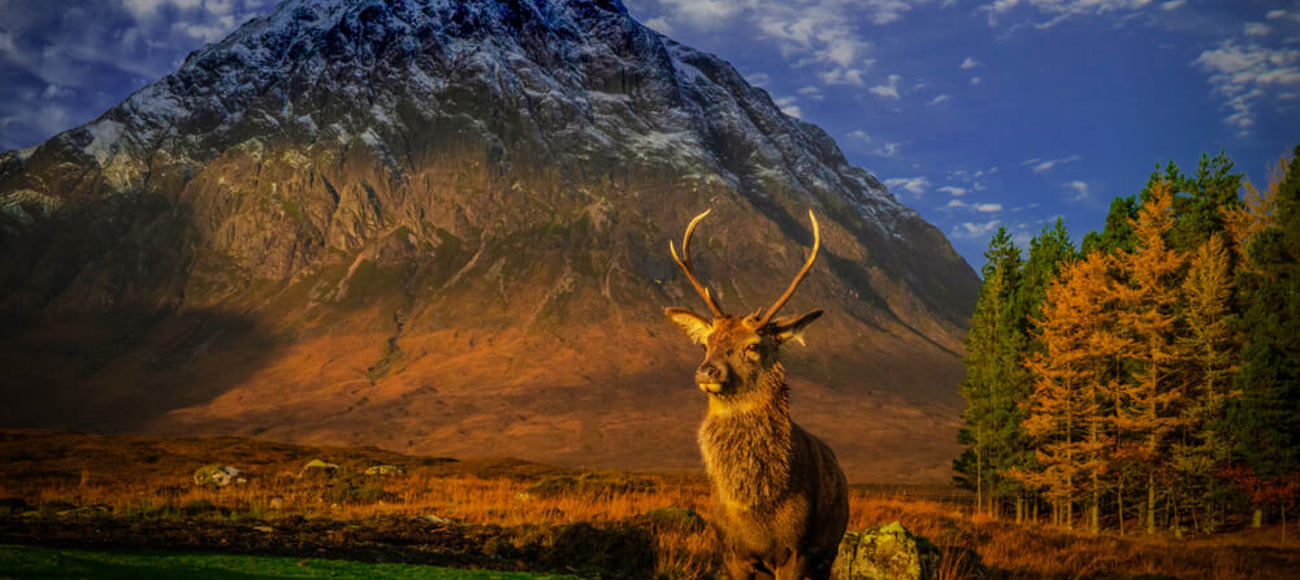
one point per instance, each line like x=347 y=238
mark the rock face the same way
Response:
x=887 y=552
x=440 y=227
x=217 y=476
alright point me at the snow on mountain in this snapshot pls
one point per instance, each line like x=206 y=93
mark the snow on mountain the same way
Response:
x=439 y=226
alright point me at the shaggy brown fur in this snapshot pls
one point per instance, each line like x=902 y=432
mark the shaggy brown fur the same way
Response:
x=780 y=498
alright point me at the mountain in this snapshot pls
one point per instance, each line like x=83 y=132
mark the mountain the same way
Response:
x=441 y=227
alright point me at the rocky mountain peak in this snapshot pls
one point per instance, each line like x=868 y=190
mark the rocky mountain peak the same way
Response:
x=435 y=224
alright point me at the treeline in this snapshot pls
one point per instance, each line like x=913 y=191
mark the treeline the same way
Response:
x=1149 y=379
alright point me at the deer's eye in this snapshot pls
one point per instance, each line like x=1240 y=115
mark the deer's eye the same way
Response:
x=752 y=349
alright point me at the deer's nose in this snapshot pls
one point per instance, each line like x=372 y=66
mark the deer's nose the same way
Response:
x=710 y=377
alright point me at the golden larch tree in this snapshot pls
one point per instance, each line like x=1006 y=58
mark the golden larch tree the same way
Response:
x=1148 y=406
x=1065 y=412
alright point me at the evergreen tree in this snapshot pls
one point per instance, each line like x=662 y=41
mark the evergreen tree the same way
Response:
x=1204 y=196
x=1118 y=233
x=992 y=363
x=1265 y=420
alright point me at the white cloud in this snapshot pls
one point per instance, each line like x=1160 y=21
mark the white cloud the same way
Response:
x=841 y=76
x=887 y=91
x=1041 y=166
x=1172 y=5
x=788 y=106
x=702 y=13
x=824 y=33
x=987 y=207
x=939 y=100
x=7 y=46
x=88 y=55
x=860 y=135
x=1241 y=75
x=915 y=185
x=758 y=79
x=888 y=149
x=955 y=203
x=954 y=190
x=1279 y=14
x=1063 y=9
x=970 y=230
x=1080 y=190
x=143 y=9
x=975 y=81
x=968 y=64
x=660 y=24
x=56 y=91
x=1256 y=29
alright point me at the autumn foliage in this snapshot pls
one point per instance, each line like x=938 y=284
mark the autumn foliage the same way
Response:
x=1161 y=362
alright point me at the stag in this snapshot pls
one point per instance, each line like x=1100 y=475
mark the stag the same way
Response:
x=780 y=501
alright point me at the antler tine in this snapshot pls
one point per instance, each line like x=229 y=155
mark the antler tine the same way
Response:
x=817 y=242
x=685 y=263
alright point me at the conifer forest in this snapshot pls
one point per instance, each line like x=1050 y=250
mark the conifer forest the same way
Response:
x=1147 y=380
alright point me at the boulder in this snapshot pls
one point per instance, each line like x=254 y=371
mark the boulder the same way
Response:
x=386 y=470
x=886 y=552
x=674 y=518
x=319 y=469
x=218 y=476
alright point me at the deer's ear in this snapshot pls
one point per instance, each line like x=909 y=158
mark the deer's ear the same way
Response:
x=694 y=325
x=791 y=327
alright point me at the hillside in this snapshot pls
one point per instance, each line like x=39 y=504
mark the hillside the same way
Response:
x=440 y=228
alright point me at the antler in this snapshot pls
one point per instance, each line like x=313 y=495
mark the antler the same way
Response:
x=685 y=263
x=817 y=242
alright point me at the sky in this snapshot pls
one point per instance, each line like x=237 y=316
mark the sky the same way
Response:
x=976 y=113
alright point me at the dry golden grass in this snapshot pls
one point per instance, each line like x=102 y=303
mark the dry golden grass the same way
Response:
x=136 y=477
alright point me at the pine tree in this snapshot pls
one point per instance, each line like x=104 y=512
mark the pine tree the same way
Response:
x=1205 y=195
x=1118 y=233
x=1265 y=420
x=992 y=361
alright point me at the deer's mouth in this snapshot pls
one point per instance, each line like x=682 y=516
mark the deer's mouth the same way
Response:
x=711 y=388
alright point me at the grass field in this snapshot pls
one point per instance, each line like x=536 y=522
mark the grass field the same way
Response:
x=38 y=562
x=135 y=494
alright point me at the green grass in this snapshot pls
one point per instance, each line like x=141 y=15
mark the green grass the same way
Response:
x=34 y=562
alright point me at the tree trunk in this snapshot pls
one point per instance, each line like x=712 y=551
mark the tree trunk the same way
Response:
x=1020 y=508
x=1151 y=503
x=979 y=479
x=1257 y=519
x=1119 y=500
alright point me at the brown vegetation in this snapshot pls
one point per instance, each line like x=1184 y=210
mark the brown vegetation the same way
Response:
x=137 y=492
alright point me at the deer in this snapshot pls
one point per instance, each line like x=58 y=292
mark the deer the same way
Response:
x=779 y=498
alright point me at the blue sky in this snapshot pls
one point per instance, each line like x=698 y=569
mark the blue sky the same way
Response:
x=975 y=112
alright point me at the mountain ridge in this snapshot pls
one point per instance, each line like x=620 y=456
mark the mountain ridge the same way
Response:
x=423 y=198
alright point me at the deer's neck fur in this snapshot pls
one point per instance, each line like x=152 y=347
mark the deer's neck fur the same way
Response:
x=746 y=443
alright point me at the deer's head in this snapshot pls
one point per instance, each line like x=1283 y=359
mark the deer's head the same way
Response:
x=738 y=350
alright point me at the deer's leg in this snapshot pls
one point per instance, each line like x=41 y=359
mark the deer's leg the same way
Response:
x=742 y=568
x=819 y=569
x=793 y=567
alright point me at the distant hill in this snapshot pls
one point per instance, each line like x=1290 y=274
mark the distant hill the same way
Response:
x=440 y=227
